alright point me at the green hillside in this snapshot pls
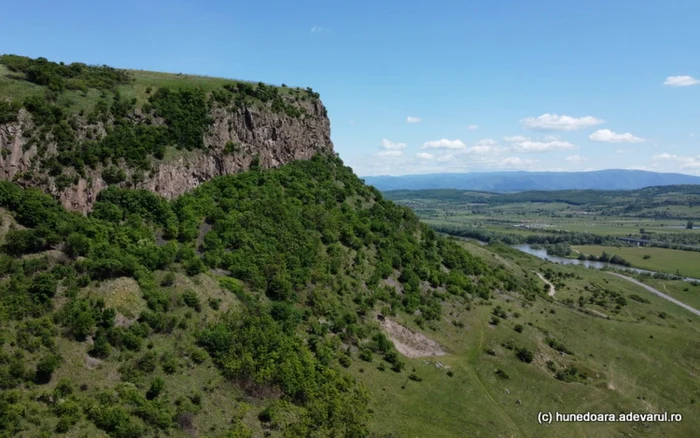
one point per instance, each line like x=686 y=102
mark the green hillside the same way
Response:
x=289 y=302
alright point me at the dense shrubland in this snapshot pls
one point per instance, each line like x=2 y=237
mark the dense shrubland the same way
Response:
x=303 y=249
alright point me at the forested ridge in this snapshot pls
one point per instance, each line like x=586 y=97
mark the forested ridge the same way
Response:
x=294 y=259
x=64 y=123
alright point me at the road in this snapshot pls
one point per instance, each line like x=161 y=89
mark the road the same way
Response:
x=657 y=292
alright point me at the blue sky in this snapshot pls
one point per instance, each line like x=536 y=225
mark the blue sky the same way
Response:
x=488 y=85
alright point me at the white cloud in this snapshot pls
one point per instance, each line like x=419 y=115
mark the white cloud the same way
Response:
x=424 y=156
x=515 y=138
x=517 y=162
x=624 y=151
x=485 y=146
x=554 y=122
x=316 y=29
x=388 y=144
x=681 y=81
x=486 y=142
x=684 y=161
x=411 y=119
x=529 y=146
x=641 y=167
x=483 y=150
x=692 y=135
x=446 y=158
x=352 y=122
x=576 y=159
x=444 y=144
x=473 y=127
x=607 y=136
x=389 y=154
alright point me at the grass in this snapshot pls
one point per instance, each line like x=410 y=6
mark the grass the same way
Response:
x=14 y=87
x=635 y=362
x=684 y=291
x=661 y=259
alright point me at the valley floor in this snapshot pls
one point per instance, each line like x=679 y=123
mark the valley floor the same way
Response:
x=642 y=359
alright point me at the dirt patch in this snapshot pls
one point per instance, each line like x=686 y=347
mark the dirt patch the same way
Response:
x=392 y=282
x=409 y=343
x=91 y=363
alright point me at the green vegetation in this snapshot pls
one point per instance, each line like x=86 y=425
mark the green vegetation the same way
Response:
x=258 y=304
x=344 y=249
x=671 y=261
x=101 y=118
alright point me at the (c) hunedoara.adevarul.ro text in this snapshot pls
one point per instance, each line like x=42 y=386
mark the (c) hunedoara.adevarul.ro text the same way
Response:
x=594 y=417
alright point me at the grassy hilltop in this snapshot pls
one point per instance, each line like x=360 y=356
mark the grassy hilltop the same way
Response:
x=293 y=302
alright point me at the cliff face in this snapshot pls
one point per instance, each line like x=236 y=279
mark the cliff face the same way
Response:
x=235 y=138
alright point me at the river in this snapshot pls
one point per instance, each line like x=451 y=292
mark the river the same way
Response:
x=542 y=254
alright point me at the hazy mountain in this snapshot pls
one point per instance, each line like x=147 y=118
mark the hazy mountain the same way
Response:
x=612 y=179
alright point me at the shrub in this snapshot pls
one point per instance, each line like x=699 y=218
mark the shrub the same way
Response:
x=45 y=368
x=502 y=374
x=191 y=299
x=524 y=355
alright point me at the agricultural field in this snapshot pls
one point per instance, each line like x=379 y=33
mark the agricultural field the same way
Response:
x=670 y=261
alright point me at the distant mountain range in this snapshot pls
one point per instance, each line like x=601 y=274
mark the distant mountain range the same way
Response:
x=613 y=179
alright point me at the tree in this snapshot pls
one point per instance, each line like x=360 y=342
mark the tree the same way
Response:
x=689 y=225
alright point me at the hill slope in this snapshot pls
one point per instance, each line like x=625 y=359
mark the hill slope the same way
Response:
x=284 y=301
x=524 y=181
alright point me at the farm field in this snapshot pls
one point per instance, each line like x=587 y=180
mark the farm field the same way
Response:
x=670 y=261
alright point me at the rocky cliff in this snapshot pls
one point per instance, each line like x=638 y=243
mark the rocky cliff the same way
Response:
x=242 y=128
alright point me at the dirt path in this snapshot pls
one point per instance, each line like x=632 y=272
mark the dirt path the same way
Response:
x=597 y=313
x=552 y=289
x=657 y=292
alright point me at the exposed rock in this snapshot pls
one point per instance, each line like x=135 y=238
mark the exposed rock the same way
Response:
x=275 y=138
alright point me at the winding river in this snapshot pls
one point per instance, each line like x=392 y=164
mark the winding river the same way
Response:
x=542 y=254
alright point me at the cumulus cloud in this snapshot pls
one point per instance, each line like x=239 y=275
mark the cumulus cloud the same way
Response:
x=389 y=154
x=446 y=158
x=316 y=29
x=681 y=81
x=388 y=144
x=473 y=127
x=412 y=119
x=684 y=161
x=515 y=138
x=608 y=136
x=444 y=144
x=424 y=156
x=576 y=159
x=529 y=146
x=485 y=146
x=554 y=122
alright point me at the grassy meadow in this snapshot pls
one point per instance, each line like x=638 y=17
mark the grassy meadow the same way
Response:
x=665 y=260
x=634 y=361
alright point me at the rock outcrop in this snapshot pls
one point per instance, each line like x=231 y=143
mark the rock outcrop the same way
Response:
x=256 y=133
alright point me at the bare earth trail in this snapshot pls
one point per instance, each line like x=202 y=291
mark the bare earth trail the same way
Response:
x=657 y=292
x=552 y=289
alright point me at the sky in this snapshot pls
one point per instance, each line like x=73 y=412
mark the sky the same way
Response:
x=424 y=86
